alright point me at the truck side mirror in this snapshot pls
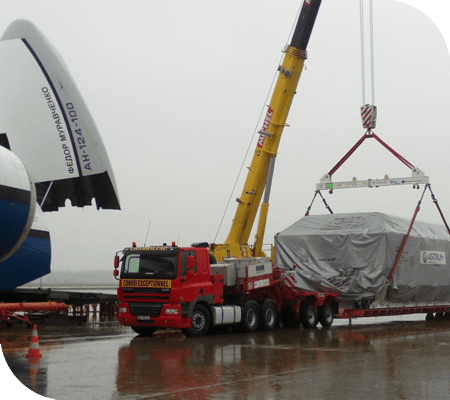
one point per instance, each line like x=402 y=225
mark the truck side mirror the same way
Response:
x=116 y=266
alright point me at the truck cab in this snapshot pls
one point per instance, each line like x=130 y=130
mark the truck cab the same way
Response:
x=161 y=286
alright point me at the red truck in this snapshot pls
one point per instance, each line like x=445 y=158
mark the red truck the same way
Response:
x=184 y=287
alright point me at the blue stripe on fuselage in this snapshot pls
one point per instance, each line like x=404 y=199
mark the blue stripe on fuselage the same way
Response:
x=30 y=262
x=13 y=220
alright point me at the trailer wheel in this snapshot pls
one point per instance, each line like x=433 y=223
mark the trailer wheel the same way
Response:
x=200 y=322
x=309 y=317
x=144 y=331
x=269 y=315
x=325 y=315
x=250 y=316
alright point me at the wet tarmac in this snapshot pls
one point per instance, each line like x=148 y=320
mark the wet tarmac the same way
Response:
x=383 y=360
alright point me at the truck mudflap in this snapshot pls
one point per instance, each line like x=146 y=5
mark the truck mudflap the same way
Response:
x=170 y=317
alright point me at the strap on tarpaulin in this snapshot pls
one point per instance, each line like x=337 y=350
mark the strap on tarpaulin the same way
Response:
x=405 y=239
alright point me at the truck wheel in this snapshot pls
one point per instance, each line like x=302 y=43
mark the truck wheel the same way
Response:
x=269 y=315
x=200 y=322
x=309 y=317
x=144 y=331
x=325 y=315
x=250 y=316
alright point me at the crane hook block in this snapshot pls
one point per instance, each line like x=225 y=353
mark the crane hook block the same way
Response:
x=369 y=116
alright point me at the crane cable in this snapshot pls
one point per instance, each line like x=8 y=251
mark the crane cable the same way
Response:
x=255 y=130
x=363 y=89
x=372 y=64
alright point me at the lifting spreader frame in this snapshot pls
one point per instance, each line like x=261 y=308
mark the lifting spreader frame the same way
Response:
x=418 y=177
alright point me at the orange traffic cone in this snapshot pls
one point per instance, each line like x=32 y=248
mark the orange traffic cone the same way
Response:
x=34 y=345
x=33 y=364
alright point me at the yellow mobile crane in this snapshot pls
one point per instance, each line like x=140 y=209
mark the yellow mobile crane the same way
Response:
x=260 y=174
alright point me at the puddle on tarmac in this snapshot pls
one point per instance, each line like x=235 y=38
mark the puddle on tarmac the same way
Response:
x=396 y=360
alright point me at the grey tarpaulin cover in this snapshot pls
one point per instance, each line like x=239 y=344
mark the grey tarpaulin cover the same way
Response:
x=353 y=255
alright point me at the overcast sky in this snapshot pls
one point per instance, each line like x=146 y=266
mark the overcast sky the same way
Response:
x=177 y=89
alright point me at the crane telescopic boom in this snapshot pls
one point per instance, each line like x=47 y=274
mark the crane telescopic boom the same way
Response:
x=261 y=169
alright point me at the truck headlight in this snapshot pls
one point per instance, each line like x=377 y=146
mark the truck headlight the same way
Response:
x=122 y=309
x=172 y=311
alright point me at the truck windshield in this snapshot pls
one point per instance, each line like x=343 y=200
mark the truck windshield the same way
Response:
x=151 y=265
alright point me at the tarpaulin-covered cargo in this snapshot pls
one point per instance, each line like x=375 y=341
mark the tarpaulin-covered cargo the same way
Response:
x=353 y=255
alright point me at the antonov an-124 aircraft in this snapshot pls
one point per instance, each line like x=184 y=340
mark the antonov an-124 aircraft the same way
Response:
x=50 y=151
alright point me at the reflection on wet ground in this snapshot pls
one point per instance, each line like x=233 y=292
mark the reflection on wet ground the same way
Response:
x=395 y=360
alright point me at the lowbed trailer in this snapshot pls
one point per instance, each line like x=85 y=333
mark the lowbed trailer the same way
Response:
x=350 y=313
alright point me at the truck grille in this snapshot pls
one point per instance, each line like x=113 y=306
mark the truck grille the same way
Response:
x=145 y=293
x=150 y=309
